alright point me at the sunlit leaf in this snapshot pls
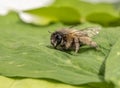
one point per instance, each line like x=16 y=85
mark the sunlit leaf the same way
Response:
x=34 y=83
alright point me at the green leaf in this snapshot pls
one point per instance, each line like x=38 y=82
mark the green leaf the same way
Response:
x=116 y=22
x=47 y=15
x=102 y=18
x=42 y=83
x=113 y=66
x=26 y=52
x=4 y=80
x=102 y=13
x=73 y=12
x=34 y=83
x=86 y=8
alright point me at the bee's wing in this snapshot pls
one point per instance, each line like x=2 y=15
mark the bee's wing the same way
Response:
x=91 y=31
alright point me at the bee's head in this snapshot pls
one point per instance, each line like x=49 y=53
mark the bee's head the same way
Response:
x=56 y=38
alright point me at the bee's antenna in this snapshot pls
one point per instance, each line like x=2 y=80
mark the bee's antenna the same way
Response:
x=49 y=32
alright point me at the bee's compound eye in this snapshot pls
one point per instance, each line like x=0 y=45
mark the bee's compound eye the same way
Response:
x=58 y=37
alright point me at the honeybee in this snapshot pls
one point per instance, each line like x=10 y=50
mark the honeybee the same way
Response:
x=69 y=38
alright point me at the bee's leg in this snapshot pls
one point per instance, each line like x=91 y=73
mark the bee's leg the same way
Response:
x=68 y=44
x=77 y=44
x=88 y=41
